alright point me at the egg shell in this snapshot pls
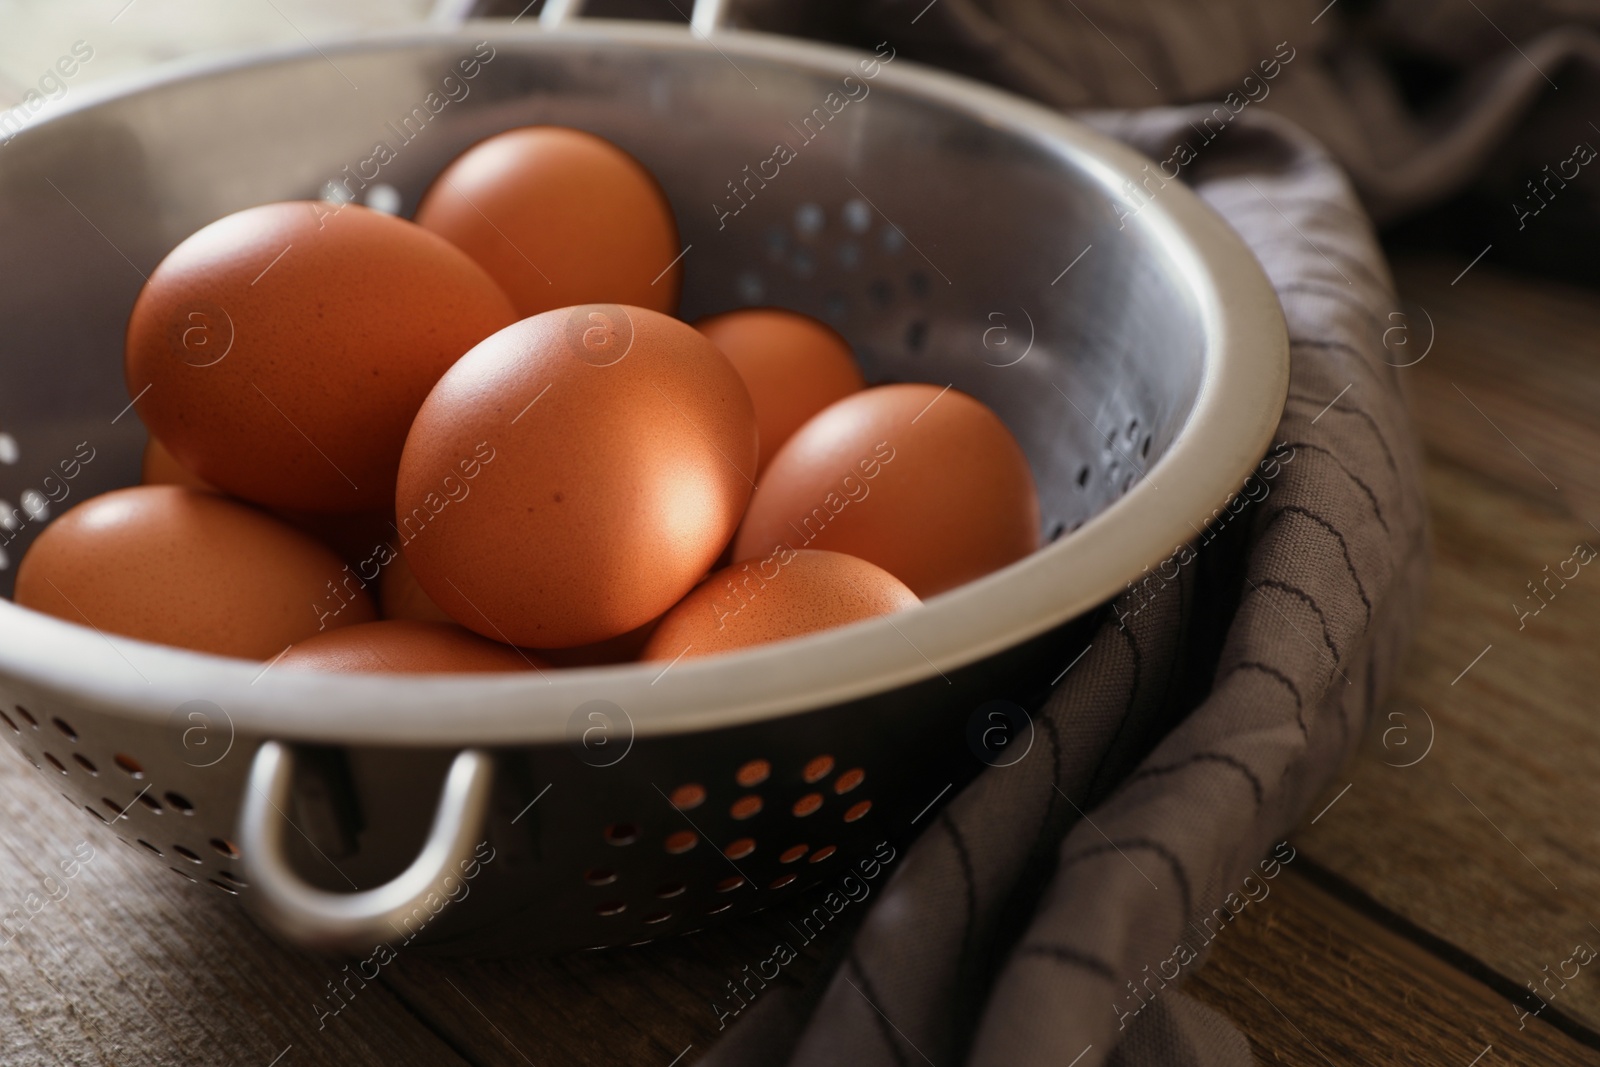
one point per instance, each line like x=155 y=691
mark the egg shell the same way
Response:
x=404 y=646
x=183 y=567
x=793 y=365
x=559 y=217
x=624 y=648
x=613 y=449
x=926 y=482
x=280 y=353
x=362 y=541
x=160 y=468
x=785 y=594
x=401 y=597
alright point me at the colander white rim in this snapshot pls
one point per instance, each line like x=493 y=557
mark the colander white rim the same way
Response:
x=1240 y=399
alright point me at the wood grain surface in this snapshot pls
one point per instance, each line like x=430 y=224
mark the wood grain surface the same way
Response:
x=1313 y=981
x=1426 y=896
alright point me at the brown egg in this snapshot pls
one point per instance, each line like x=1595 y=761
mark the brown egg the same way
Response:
x=574 y=475
x=402 y=598
x=793 y=365
x=159 y=468
x=783 y=594
x=280 y=352
x=354 y=537
x=624 y=648
x=404 y=647
x=188 y=568
x=925 y=482
x=559 y=217
x=357 y=539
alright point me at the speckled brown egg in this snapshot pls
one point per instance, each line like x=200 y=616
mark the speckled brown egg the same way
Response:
x=793 y=365
x=559 y=217
x=926 y=482
x=404 y=646
x=402 y=598
x=360 y=540
x=624 y=648
x=188 y=568
x=782 y=594
x=280 y=352
x=159 y=468
x=573 y=476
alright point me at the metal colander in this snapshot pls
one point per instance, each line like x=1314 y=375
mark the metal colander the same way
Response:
x=953 y=233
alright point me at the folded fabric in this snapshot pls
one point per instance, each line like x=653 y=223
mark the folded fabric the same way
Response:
x=1054 y=907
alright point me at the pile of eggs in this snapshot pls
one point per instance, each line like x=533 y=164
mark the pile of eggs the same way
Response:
x=480 y=441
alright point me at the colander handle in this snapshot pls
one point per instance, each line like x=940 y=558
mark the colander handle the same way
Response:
x=707 y=17
x=355 y=921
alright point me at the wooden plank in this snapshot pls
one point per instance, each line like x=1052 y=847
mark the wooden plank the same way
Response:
x=127 y=963
x=648 y=1004
x=1312 y=982
x=1488 y=842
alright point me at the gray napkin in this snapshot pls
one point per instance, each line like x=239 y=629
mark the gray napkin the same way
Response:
x=1021 y=930
x=1053 y=910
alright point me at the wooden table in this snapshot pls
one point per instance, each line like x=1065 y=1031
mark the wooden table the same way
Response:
x=1425 y=896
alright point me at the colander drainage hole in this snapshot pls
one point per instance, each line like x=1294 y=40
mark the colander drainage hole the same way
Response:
x=745 y=807
x=600 y=876
x=57 y=764
x=719 y=909
x=225 y=848
x=151 y=847
x=682 y=841
x=66 y=728
x=1057 y=530
x=150 y=802
x=807 y=805
x=916 y=335
x=730 y=883
x=622 y=833
x=689 y=795
x=823 y=853
x=187 y=854
x=117 y=810
x=96 y=814
x=658 y=917
x=849 y=780
x=610 y=907
x=856 y=811
x=132 y=766
x=782 y=880
x=739 y=849
x=83 y=761
x=9 y=723
x=753 y=773
x=181 y=874
x=672 y=889
x=818 y=769
x=224 y=886
x=229 y=876
x=793 y=854
x=1083 y=476
x=1144 y=449
x=179 y=801
x=27 y=716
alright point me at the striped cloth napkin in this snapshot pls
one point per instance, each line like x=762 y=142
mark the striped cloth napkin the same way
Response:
x=1052 y=911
